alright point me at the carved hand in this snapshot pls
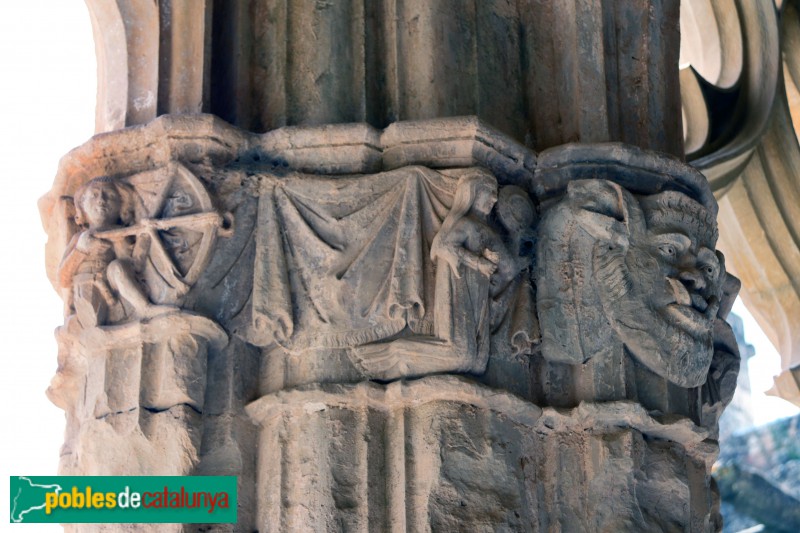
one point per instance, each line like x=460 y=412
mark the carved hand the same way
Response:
x=486 y=267
x=494 y=257
x=89 y=244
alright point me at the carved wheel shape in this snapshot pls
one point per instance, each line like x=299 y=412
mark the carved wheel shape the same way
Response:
x=179 y=218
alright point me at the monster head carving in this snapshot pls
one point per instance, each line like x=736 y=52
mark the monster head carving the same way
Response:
x=641 y=271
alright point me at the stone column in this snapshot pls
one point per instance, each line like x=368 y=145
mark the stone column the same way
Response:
x=404 y=303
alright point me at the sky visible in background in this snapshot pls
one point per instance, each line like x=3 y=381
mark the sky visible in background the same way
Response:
x=47 y=108
x=765 y=364
x=47 y=98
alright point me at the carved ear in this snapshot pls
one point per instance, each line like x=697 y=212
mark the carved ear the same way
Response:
x=598 y=196
x=730 y=286
x=602 y=209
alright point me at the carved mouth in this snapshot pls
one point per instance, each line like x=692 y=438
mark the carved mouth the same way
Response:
x=691 y=312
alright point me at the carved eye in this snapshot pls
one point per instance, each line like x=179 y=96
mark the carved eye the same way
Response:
x=708 y=270
x=667 y=250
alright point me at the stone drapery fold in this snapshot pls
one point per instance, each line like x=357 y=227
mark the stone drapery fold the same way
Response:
x=339 y=264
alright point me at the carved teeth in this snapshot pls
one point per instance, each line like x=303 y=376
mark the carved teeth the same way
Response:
x=682 y=296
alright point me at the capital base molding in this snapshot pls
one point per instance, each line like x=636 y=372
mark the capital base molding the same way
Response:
x=445 y=453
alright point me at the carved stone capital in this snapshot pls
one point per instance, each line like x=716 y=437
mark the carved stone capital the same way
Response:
x=467 y=304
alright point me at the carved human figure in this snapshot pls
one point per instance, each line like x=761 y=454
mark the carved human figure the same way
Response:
x=646 y=266
x=131 y=359
x=472 y=266
x=513 y=315
x=98 y=267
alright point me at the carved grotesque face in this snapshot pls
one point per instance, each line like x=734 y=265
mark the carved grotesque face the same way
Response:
x=100 y=203
x=672 y=280
x=644 y=266
x=685 y=276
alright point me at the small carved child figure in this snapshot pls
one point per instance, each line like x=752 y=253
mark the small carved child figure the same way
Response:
x=95 y=267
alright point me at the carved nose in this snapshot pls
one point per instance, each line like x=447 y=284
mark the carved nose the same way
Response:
x=692 y=280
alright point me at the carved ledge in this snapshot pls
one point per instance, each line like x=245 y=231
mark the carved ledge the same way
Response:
x=639 y=171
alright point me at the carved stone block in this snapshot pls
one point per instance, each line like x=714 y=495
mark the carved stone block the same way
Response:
x=402 y=269
x=575 y=298
x=446 y=454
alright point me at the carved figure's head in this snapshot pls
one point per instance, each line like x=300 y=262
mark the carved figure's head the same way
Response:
x=515 y=211
x=683 y=283
x=476 y=191
x=102 y=203
x=674 y=277
x=644 y=266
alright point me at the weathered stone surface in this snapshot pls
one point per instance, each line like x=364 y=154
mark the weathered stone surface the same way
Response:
x=522 y=65
x=299 y=271
x=627 y=253
x=403 y=269
x=739 y=415
x=133 y=365
x=652 y=258
x=443 y=453
x=374 y=239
